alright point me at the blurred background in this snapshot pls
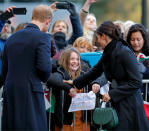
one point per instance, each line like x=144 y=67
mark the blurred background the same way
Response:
x=135 y=10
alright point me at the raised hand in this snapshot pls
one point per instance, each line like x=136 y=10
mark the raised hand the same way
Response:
x=87 y=4
x=53 y=7
x=72 y=8
x=91 y=1
x=9 y=9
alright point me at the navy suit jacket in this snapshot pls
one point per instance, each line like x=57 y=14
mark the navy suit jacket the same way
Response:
x=26 y=62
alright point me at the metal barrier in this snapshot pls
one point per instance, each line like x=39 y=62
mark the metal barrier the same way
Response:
x=146 y=82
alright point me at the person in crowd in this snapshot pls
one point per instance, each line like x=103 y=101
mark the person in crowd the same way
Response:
x=89 y=24
x=139 y=41
x=26 y=62
x=21 y=26
x=70 y=68
x=4 y=35
x=60 y=29
x=120 y=24
x=83 y=45
x=127 y=25
x=6 y=32
x=3 y=19
x=120 y=66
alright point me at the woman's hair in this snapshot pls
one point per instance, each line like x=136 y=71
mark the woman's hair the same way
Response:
x=127 y=25
x=140 y=28
x=20 y=26
x=82 y=41
x=110 y=29
x=57 y=22
x=120 y=24
x=64 y=60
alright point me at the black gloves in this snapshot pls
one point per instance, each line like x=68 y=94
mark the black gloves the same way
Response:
x=72 y=8
x=6 y=15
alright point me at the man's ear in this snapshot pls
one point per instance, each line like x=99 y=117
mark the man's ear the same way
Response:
x=48 y=21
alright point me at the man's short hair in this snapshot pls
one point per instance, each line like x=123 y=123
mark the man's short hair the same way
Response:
x=42 y=13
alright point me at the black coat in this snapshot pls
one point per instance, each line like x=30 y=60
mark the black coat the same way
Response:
x=119 y=63
x=26 y=62
x=61 y=93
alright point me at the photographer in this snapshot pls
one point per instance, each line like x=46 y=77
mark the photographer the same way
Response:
x=60 y=27
x=3 y=20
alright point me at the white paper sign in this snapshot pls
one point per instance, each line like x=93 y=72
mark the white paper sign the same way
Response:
x=83 y=101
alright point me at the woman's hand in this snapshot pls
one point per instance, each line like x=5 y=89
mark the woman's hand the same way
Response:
x=53 y=7
x=9 y=9
x=106 y=97
x=68 y=82
x=72 y=92
x=91 y=1
x=95 y=87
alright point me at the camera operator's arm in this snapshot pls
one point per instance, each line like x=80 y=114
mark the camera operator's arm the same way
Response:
x=76 y=24
x=3 y=17
x=85 y=10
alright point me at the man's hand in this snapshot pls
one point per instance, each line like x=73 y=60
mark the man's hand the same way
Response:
x=95 y=87
x=72 y=92
x=106 y=97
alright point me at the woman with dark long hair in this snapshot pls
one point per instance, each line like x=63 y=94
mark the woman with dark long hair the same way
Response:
x=139 y=41
x=120 y=67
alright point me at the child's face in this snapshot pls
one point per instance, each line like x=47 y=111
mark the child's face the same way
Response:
x=60 y=27
x=74 y=62
x=84 y=48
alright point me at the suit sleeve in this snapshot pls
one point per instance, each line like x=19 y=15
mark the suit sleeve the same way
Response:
x=55 y=81
x=89 y=76
x=43 y=58
x=133 y=82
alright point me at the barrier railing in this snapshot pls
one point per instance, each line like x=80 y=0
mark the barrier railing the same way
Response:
x=146 y=82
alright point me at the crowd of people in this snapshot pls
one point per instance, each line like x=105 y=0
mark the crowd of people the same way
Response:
x=31 y=57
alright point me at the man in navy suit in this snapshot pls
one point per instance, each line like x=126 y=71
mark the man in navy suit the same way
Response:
x=26 y=62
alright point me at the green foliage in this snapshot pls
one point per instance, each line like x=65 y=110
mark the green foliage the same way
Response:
x=108 y=9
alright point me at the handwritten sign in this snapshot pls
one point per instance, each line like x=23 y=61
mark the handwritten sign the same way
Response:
x=83 y=101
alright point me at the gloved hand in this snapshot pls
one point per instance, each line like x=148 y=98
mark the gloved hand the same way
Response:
x=72 y=8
